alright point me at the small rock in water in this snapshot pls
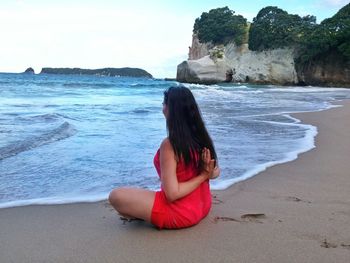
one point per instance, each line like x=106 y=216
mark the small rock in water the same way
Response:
x=29 y=71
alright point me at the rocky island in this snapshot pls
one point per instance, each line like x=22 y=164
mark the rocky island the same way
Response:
x=112 y=72
x=29 y=71
x=276 y=48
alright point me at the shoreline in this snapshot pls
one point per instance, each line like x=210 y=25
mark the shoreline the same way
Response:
x=301 y=213
x=259 y=168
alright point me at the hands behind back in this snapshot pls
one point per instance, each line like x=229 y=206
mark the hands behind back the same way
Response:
x=209 y=165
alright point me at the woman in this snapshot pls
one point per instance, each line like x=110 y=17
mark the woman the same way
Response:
x=184 y=165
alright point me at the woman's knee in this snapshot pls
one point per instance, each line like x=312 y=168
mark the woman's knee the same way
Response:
x=116 y=197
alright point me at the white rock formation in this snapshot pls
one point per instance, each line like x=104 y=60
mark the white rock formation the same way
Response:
x=273 y=66
x=207 y=65
x=204 y=70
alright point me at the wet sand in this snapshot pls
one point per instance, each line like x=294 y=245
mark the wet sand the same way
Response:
x=293 y=212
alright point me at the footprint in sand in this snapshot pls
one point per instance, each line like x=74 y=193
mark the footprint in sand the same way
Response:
x=244 y=218
x=216 y=200
x=347 y=246
x=225 y=219
x=253 y=217
x=129 y=220
x=109 y=206
x=296 y=199
x=291 y=199
x=327 y=244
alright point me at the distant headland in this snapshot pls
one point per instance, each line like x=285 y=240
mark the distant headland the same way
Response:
x=276 y=48
x=112 y=72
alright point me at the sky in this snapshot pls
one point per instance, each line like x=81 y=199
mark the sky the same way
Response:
x=153 y=35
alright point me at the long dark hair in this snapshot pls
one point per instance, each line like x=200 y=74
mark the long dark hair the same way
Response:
x=186 y=130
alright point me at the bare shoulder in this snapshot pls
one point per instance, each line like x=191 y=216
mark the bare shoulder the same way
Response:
x=166 y=149
x=166 y=145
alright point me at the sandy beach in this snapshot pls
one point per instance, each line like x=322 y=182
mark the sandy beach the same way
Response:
x=301 y=213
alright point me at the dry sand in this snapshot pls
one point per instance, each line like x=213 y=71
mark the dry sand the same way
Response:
x=305 y=206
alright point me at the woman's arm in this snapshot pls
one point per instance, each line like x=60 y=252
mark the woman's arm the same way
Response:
x=173 y=189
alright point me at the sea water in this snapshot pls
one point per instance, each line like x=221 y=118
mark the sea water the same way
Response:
x=70 y=139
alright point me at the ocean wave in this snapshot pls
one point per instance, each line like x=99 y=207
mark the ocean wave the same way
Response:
x=88 y=85
x=65 y=130
x=195 y=86
x=44 y=83
x=151 y=83
x=304 y=89
x=223 y=91
x=306 y=144
x=142 y=111
x=144 y=84
x=48 y=117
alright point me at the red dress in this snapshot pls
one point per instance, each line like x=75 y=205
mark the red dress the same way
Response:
x=186 y=211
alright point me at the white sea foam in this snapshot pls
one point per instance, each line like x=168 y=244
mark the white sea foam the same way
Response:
x=56 y=200
x=304 y=89
x=307 y=144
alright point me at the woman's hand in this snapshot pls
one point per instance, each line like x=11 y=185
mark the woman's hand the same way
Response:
x=174 y=189
x=209 y=166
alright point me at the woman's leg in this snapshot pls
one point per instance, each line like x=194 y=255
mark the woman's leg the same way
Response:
x=133 y=202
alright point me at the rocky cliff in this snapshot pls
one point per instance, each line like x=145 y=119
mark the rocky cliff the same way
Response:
x=208 y=64
x=273 y=66
x=198 y=50
x=330 y=69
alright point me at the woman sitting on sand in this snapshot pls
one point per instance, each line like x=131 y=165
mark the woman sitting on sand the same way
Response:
x=184 y=165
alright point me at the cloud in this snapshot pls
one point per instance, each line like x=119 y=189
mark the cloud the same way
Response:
x=333 y=3
x=92 y=37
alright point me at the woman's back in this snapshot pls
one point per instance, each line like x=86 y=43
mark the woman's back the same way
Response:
x=186 y=211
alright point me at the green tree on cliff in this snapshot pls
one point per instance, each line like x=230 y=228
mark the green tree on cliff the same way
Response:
x=331 y=35
x=343 y=26
x=220 y=26
x=275 y=28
